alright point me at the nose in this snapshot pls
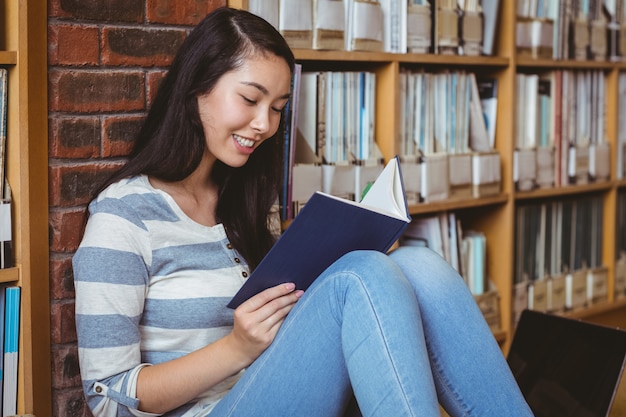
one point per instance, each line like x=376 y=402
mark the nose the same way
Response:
x=261 y=122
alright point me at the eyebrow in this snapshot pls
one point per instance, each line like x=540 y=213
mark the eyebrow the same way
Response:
x=263 y=89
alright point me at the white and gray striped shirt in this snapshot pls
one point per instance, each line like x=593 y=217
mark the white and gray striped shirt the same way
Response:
x=151 y=285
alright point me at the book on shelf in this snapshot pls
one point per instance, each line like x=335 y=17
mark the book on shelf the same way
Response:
x=479 y=139
x=419 y=23
x=364 y=26
x=490 y=9
x=4 y=98
x=329 y=24
x=558 y=254
x=11 y=348
x=3 y=304
x=488 y=92
x=465 y=251
x=6 y=240
x=395 y=25
x=295 y=22
x=326 y=228
x=267 y=9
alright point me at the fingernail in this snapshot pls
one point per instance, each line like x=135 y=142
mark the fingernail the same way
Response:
x=290 y=286
x=299 y=293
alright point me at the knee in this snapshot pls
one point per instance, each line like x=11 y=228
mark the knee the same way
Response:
x=425 y=268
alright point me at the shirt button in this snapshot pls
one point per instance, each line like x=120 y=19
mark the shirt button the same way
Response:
x=244 y=274
x=238 y=260
x=229 y=246
x=98 y=389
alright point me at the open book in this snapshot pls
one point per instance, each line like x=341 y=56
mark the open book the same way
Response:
x=327 y=228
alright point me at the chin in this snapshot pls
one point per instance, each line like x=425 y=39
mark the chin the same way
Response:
x=236 y=162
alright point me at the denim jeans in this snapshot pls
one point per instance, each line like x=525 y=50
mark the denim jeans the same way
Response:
x=400 y=332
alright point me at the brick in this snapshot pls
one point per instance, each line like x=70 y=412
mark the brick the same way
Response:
x=62 y=322
x=70 y=403
x=119 y=134
x=65 y=367
x=74 y=137
x=140 y=46
x=70 y=44
x=180 y=12
x=65 y=229
x=84 y=91
x=76 y=184
x=61 y=277
x=153 y=82
x=100 y=10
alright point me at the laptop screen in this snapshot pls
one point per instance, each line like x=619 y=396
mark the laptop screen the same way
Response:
x=566 y=367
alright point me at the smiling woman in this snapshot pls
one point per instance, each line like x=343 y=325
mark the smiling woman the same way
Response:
x=173 y=235
x=244 y=109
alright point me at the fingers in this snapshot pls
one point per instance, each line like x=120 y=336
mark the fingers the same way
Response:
x=258 y=320
x=265 y=297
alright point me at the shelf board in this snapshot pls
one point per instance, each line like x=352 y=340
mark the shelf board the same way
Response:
x=621 y=183
x=563 y=191
x=528 y=62
x=430 y=59
x=500 y=336
x=595 y=309
x=8 y=57
x=456 y=204
x=9 y=274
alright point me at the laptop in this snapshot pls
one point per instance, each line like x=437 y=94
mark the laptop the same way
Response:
x=566 y=367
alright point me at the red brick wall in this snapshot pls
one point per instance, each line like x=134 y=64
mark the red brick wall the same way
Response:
x=106 y=58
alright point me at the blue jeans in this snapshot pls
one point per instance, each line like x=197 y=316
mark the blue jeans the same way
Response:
x=401 y=332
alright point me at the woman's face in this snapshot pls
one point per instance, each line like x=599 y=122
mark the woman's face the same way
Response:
x=244 y=108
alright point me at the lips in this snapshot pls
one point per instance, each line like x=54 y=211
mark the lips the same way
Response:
x=243 y=142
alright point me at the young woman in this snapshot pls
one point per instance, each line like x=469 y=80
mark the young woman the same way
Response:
x=173 y=235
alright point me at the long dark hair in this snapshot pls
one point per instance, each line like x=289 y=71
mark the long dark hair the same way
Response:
x=171 y=141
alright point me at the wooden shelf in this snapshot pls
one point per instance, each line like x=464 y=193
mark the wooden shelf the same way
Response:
x=9 y=275
x=596 y=309
x=525 y=62
x=8 y=57
x=24 y=40
x=563 y=191
x=438 y=206
x=381 y=57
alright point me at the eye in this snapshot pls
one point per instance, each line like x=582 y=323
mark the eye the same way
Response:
x=278 y=110
x=248 y=100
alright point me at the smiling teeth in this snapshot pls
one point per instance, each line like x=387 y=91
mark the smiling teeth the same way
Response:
x=246 y=143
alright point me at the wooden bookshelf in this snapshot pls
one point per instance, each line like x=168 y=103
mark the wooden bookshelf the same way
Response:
x=23 y=51
x=495 y=216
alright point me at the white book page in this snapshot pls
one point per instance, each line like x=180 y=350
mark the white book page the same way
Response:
x=386 y=194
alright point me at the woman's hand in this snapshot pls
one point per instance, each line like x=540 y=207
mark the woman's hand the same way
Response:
x=258 y=319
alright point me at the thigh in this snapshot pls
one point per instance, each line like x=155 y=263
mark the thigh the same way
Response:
x=303 y=372
x=356 y=327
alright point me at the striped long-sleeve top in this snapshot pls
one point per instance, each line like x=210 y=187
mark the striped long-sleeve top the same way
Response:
x=151 y=285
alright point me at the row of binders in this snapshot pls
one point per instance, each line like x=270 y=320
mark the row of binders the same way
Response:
x=464 y=250
x=572 y=29
x=6 y=256
x=465 y=27
x=560 y=134
x=558 y=255
x=447 y=133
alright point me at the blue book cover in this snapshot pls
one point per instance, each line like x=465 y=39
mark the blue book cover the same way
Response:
x=2 y=327
x=327 y=228
x=11 y=342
